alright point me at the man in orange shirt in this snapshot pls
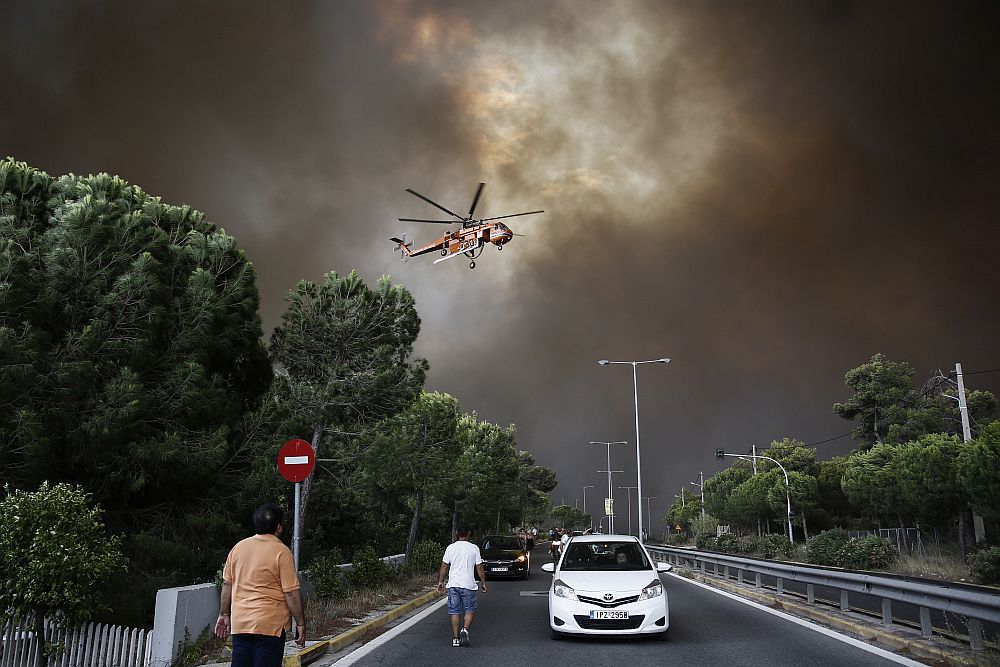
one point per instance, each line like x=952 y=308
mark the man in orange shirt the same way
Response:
x=259 y=594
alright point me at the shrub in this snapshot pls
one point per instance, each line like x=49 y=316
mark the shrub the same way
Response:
x=726 y=543
x=326 y=577
x=746 y=544
x=825 y=548
x=426 y=557
x=774 y=545
x=367 y=570
x=868 y=553
x=985 y=567
x=706 y=542
x=675 y=539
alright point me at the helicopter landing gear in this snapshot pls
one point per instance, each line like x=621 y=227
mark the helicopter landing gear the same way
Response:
x=499 y=247
x=472 y=264
x=444 y=251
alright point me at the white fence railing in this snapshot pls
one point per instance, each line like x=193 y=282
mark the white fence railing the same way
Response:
x=92 y=645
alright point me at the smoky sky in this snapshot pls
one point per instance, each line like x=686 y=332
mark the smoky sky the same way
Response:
x=767 y=193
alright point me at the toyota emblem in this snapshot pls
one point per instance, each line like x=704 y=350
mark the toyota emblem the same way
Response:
x=608 y=597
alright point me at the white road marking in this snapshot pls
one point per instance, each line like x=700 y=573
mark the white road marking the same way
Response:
x=888 y=655
x=362 y=651
x=296 y=460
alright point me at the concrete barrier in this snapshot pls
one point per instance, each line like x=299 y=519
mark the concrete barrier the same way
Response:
x=182 y=614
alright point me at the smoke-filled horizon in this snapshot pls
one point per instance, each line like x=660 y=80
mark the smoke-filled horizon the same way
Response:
x=767 y=193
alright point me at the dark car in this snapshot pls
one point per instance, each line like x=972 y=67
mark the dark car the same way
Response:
x=505 y=556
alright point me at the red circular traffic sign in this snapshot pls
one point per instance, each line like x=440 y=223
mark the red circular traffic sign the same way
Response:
x=296 y=460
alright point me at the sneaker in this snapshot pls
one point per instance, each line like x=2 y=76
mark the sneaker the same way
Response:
x=463 y=637
x=454 y=643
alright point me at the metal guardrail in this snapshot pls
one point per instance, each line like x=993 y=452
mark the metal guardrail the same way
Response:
x=976 y=603
x=395 y=561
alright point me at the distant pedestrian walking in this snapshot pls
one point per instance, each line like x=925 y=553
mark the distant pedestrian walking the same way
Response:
x=461 y=561
x=260 y=594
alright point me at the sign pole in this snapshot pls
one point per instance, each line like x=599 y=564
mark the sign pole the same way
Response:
x=296 y=530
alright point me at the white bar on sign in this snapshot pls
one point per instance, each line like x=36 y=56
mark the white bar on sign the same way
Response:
x=296 y=460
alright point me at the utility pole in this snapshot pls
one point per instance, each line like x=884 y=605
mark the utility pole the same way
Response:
x=978 y=529
x=611 y=493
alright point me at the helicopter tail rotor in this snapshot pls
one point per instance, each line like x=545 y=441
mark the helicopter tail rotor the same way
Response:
x=403 y=247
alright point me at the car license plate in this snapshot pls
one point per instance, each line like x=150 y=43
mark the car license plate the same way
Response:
x=499 y=569
x=608 y=614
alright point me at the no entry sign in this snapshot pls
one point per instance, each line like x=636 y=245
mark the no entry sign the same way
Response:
x=296 y=460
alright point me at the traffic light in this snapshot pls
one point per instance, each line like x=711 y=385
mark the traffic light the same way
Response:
x=720 y=454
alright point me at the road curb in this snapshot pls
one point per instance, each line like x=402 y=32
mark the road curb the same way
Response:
x=350 y=636
x=899 y=639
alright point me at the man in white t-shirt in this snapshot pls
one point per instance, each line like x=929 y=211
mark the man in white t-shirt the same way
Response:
x=461 y=561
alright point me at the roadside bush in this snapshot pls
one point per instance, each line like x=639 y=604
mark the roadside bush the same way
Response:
x=726 y=543
x=985 y=567
x=675 y=539
x=326 y=577
x=868 y=553
x=706 y=542
x=747 y=544
x=426 y=557
x=367 y=570
x=771 y=546
x=825 y=548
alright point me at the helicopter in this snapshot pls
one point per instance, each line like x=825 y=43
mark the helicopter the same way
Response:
x=470 y=240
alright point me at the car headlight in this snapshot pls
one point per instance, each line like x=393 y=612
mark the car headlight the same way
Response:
x=654 y=589
x=522 y=558
x=562 y=590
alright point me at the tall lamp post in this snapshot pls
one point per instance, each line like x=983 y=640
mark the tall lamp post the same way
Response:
x=635 y=389
x=628 y=491
x=719 y=453
x=648 y=513
x=589 y=486
x=611 y=493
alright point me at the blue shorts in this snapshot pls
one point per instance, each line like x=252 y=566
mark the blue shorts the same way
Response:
x=461 y=600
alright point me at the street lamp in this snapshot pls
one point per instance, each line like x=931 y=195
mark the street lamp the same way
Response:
x=589 y=486
x=628 y=491
x=719 y=453
x=635 y=388
x=701 y=476
x=611 y=523
x=648 y=513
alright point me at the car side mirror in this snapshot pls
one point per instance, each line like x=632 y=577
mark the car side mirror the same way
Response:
x=548 y=567
x=660 y=566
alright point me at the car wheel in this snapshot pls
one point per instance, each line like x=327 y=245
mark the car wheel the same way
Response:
x=557 y=636
x=663 y=636
x=525 y=575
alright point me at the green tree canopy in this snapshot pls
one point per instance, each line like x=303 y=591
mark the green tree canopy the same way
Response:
x=129 y=346
x=55 y=556
x=978 y=463
x=881 y=388
x=344 y=359
x=415 y=452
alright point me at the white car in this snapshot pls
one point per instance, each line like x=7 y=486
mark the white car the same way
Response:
x=607 y=585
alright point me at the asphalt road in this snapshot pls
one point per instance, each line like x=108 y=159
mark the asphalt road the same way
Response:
x=706 y=628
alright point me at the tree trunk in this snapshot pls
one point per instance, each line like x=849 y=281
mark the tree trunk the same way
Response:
x=906 y=535
x=308 y=481
x=961 y=533
x=805 y=529
x=454 y=522
x=42 y=660
x=412 y=539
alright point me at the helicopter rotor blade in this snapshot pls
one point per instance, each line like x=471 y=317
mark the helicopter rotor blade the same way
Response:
x=512 y=215
x=516 y=234
x=475 y=200
x=440 y=222
x=434 y=203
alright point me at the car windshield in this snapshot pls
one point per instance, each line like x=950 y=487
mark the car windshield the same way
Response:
x=501 y=544
x=611 y=556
